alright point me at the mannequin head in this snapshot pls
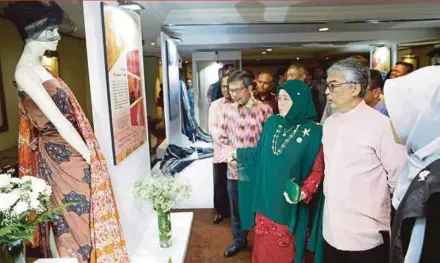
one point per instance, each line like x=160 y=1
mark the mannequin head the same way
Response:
x=37 y=23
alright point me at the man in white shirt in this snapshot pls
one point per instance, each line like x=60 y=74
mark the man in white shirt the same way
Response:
x=362 y=162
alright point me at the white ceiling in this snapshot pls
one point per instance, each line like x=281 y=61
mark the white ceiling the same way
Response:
x=225 y=25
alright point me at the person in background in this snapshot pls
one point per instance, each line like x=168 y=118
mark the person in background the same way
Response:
x=362 y=162
x=279 y=78
x=242 y=128
x=216 y=119
x=289 y=149
x=214 y=90
x=263 y=91
x=434 y=54
x=414 y=105
x=401 y=69
x=296 y=71
x=374 y=92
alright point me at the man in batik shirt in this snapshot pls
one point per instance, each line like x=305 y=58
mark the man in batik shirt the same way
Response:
x=242 y=128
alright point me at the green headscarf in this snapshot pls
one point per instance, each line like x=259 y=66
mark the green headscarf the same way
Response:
x=303 y=110
x=263 y=174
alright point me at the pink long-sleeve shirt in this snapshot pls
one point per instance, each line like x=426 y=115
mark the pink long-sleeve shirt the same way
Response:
x=362 y=162
x=217 y=118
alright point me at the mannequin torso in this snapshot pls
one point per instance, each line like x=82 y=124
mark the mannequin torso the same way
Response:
x=30 y=76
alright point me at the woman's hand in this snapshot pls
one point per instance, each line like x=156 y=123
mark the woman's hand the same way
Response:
x=301 y=197
x=233 y=165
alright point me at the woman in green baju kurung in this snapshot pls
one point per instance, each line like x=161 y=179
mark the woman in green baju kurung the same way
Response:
x=289 y=149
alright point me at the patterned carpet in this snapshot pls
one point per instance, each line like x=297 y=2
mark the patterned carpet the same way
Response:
x=208 y=241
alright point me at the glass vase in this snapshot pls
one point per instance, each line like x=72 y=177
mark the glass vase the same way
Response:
x=164 y=223
x=13 y=253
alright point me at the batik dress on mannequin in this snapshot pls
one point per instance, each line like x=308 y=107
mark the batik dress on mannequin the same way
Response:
x=57 y=143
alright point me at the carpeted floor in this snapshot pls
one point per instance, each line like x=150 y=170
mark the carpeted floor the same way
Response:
x=208 y=241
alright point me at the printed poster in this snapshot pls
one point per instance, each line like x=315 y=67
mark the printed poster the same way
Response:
x=123 y=54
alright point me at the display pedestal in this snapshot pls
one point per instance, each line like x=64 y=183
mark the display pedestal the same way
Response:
x=149 y=249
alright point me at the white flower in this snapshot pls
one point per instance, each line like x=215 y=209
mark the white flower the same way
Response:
x=16 y=181
x=8 y=200
x=38 y=185
x=5 y=180
x=34 y=202
x=20 y=208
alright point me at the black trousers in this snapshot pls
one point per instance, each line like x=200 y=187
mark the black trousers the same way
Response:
x=240 y=237
x=221 y=198
x=379 y=254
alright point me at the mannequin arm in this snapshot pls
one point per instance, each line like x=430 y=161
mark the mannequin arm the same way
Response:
x=29 y=81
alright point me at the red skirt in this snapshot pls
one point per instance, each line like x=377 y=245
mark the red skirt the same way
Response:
x=273 y=243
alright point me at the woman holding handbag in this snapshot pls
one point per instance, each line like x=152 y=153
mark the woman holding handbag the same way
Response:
x=279 y=177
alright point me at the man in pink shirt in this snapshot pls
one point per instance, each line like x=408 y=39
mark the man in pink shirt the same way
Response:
x=216 y=120
x=362 y=162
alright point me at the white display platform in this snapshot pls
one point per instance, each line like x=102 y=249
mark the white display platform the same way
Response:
x=57 y=260
x=199 y=174
x=149 y=250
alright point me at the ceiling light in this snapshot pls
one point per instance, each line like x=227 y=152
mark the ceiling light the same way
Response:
x=160 y=62
x=152 y=43
x=326 y=57
x=131 y=5
x=297 y=58
x=264 y=52
x=186 y=62
x=374 y=21
x=323 y=29
x=258 y=59
x=269 y=50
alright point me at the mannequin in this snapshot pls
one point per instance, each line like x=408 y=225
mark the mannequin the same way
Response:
x=57 y=143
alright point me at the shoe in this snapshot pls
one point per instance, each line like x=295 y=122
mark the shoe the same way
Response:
x=218 y=219
x=233 y=250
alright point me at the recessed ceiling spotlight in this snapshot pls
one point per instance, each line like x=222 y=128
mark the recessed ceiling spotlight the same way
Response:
x=326 y=57
x=297 y=58
x=186 y=61
x=323 y=29
x=269 y=50
x=264 y=52
x=152 y=43
x=374 y=21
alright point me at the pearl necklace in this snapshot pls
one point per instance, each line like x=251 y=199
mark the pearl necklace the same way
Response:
x=286 y=141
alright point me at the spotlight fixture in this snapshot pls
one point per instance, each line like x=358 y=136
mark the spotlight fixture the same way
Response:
x=152 y=43
x=323 y=29
x=269 y=50
x=264 y=52
x=297 y=58
x=186 y=61
x=327 y=58
x=374 y=21
x=130 y=5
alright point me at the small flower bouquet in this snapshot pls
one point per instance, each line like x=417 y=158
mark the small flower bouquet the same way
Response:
x=164 y=192
x=24 y=202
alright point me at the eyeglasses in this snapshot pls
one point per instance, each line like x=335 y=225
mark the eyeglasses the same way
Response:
x=332 y=86
x=236 y=91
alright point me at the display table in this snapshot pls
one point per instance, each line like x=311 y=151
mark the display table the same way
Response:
x=149 y=249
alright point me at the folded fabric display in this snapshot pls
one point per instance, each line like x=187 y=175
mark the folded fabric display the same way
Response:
x=177 y=158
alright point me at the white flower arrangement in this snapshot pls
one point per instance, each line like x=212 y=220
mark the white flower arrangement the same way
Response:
x=164 y=192
x=24 y=202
